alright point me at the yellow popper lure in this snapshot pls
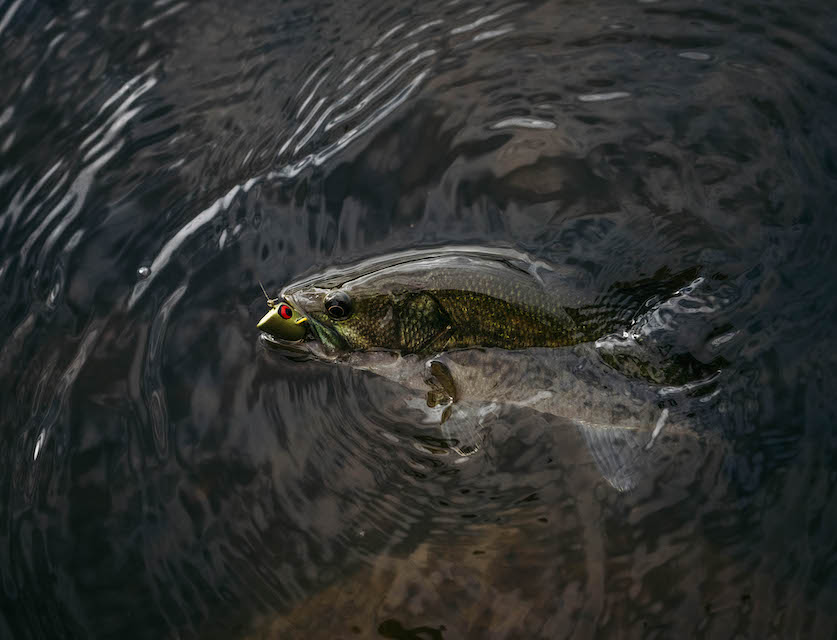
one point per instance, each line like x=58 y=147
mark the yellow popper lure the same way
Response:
x=283 y=321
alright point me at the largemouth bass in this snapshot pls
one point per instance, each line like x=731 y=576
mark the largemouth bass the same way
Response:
x=429 y=301
x=469 y=328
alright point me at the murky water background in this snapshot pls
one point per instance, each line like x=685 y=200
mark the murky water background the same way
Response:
x=164 y=476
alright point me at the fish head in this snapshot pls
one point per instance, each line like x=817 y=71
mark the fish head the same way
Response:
x=373 y=312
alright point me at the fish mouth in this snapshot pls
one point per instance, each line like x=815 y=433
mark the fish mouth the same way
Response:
x=306 y=348
x=309 y=348
x=284 y=329
x=293 y=349
x=300 y=337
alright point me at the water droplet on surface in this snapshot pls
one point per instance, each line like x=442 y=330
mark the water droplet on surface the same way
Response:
x=143 y=272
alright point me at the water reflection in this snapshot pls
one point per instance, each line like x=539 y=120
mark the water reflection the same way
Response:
x=166 y=476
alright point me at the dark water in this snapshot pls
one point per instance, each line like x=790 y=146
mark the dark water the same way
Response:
x=164 y=476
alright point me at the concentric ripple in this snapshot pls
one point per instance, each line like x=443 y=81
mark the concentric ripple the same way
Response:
x=164 y=474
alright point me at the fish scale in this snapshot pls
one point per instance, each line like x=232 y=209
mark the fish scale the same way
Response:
x=482 y=320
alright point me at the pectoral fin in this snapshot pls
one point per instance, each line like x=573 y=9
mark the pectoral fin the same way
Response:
x=466 y=428
x=442 y=387
x=617 y=452
x=460 y=426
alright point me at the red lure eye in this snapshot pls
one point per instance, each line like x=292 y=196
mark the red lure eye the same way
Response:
x=285 y=311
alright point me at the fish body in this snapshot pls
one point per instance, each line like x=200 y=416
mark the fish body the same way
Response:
x=627 y=424
x=470 y=328
x=424 y=302
x=569 y=382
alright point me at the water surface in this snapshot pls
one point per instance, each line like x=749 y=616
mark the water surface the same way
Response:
x=163 y=475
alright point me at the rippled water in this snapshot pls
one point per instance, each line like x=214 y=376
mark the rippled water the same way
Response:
x=164 y=475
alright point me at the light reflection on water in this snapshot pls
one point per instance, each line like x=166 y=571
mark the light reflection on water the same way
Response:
x=164 y=475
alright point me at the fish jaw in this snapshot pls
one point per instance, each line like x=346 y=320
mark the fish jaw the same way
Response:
x=291 y=329
x=332 y=345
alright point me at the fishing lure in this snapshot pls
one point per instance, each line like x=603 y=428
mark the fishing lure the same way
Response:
x=282 y=320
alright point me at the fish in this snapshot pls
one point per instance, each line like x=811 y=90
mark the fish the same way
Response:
x=427 y=301
x=472 y=329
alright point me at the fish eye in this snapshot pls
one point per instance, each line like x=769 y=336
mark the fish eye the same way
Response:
x=285 y=311
x=338 y=305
